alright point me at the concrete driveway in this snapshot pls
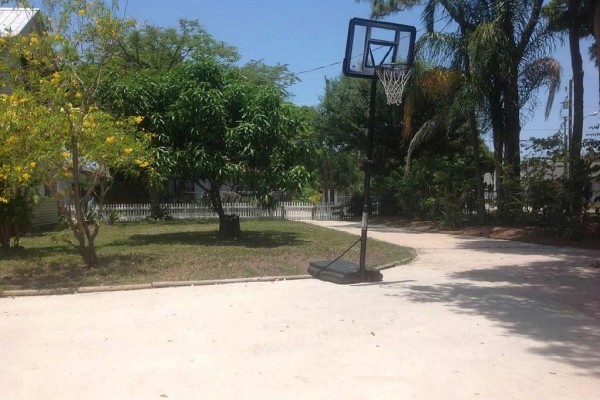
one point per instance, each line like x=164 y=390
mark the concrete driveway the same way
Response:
x=470 y=318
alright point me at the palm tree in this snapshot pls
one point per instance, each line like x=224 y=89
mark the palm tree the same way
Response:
x=500 y=46
x=574 y=17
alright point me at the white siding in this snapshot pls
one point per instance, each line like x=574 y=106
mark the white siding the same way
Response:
x=45 y=213
x=18 y=21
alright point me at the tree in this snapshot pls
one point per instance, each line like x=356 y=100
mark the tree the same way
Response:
x=19 y=167
x=344 y=115
x=506 y=43
x=76 y=147
x=574 y=17
x=215 y=128
x=342 y=131
x=259 y=73
x=149 y=47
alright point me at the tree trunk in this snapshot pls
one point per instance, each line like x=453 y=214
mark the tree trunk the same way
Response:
x=480 y=195
x=229 y=224
x=577 y=178
x=80 y=228
x=497 y=117
x=89 y=255
x=512 y=116
x=512 y=155
x=597 y=36
x=229 y=227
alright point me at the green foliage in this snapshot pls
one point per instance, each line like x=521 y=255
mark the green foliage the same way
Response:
x=212 y=126
x=258 y=73
x=548 y=193
x=159 y=213
x=112 y=216
x=556 y=13
x=52 y=127
x=161 y=49
x=436 y=188
x=355 y=205
x=341 y=127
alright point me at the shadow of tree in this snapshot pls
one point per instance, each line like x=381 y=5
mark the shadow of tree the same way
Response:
x=515 y=247
x=65 y=275
x=53 y=275
x=34 y=252
x=250 y=239
x=556 y=303
x=554 y=300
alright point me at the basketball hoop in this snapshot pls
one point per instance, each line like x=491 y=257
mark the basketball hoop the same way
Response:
x=394 y=79
x=374 y=50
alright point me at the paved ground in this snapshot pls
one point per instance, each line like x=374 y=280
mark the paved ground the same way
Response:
x=470 y=318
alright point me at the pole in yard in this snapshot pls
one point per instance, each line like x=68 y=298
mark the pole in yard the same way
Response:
x=367 y=187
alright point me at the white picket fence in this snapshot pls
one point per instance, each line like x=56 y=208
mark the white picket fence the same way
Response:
x=296 y=211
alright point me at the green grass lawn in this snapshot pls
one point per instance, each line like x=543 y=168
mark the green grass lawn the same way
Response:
x=144 y=252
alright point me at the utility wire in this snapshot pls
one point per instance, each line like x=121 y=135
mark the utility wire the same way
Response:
x=339 y=62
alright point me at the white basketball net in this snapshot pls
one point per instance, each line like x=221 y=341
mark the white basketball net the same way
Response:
x=393 y=79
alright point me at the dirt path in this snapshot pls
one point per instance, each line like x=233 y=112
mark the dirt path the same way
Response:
x=470 y=318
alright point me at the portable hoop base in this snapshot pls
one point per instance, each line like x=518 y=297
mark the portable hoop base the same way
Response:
x=342 y=272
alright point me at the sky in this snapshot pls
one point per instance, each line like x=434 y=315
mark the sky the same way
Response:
x=309 y=34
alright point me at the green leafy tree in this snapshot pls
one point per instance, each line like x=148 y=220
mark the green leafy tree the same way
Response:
x=215 y=128
x=342 y=131
x=149 y=47
x=259 y=73
x=75 y=147
x=343 y=118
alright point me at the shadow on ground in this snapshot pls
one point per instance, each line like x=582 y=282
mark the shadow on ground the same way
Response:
x=65 y=275
x=251 y=239
x=555 y=303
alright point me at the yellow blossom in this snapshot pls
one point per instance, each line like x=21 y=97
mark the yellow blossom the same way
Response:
x=128 y=150
x=138 y=119
x=26 y=177
x=78 y=95
x=81 y=12
x=110 y=139
x=65 y=154
x=55 y=78
x=32 y=164
x=33 y=40
x=3 y=200
x=142 y=164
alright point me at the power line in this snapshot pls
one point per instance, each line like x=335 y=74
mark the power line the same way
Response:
x=339 y=62
x=318 y=68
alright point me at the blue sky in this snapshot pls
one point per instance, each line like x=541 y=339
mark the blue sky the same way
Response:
x=308 y=34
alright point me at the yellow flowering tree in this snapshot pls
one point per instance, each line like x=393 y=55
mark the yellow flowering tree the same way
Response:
x=19 y=164
x=75 y=147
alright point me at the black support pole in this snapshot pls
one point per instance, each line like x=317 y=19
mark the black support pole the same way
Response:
x=367 y=166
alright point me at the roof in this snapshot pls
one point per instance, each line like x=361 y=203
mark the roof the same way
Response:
x=17 y=21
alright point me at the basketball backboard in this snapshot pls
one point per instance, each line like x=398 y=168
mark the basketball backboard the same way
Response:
x=374 y=43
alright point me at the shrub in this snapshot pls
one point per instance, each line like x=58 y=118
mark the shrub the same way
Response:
x=15 y=219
